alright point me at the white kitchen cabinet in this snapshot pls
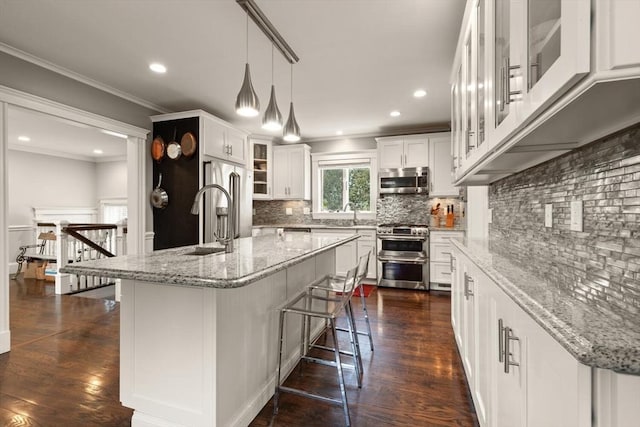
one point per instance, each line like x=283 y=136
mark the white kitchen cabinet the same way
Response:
x=440 y=179
x=292 y=172
x=518 y=374
x=222 y=141
x=440 y=265
x=532 y=67
x=262 y=161
x=367 y=242
x=410 y=151
x=348 y=254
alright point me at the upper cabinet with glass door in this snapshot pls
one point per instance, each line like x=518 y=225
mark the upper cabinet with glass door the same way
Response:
x=533 y=79
x=261 y=150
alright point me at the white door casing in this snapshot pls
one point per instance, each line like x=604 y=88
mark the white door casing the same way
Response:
x=136 y=188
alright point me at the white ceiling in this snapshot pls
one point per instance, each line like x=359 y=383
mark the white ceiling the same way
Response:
x=54 y=136
x=359 y=59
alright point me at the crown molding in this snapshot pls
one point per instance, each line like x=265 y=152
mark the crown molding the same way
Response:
x=10 y=50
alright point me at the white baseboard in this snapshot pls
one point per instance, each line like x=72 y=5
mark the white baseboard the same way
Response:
x=141 y=419
x=5 y=341
x=13 y=267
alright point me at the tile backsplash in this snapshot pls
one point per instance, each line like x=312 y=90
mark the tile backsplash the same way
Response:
x=392 y=208
x=601 y=264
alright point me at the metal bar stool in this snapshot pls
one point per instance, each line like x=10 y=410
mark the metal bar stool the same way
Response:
x=304 y=306
x=335 y=283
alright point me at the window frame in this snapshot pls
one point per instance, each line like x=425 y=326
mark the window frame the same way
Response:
x=355 y=158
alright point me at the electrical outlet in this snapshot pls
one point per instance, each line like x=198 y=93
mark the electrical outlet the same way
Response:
x=548 y=215
x=490 y=216
x=306 y=211
x=576 y=215
x=254 y=211
x=288 y=211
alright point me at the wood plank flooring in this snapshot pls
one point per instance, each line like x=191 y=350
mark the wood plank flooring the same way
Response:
x=64 y=364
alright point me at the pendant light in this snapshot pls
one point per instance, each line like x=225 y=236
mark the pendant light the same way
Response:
x=291 y=129
x=247 y=103
x=272 y=119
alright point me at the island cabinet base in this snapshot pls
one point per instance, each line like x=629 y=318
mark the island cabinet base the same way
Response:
x=198 y=356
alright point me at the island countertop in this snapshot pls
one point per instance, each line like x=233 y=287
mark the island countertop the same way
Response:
x=252 y=259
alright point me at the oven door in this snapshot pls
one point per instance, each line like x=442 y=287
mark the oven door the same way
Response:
x=401 y=272
x=403 y=246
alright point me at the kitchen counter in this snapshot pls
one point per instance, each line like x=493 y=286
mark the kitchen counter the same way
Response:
x=594 y=337
x=442 y=228
x=199 y=333
x=319 y=226
x=252 y=259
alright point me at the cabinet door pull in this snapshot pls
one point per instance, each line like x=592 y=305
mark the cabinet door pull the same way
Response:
x=508 y=92
x=468 y=292
x=508 y=337
x=405 y=160
x=500 y=341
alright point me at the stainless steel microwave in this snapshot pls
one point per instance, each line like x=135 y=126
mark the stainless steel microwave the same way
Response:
x=404 y=181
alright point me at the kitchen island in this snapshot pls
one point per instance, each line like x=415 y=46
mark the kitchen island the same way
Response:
x=198 y=333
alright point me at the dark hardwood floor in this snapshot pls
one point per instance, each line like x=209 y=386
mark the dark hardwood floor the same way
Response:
x=64 y=364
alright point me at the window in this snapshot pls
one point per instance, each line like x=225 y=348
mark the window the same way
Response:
x=344 y=183
x=113 y=211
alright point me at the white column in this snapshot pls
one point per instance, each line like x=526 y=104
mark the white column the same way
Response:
x=5 y=333
x=136 y=195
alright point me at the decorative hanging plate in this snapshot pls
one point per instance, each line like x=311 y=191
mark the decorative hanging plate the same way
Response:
x=188 y=144
x=157 y=148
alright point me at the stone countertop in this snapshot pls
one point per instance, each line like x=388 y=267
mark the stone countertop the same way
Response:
x=252 y=259
x=594 y=337
x=318 y=226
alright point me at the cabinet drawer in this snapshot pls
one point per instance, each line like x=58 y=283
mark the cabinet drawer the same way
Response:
x=440 y=252
x=444 y=236
x=440 y=272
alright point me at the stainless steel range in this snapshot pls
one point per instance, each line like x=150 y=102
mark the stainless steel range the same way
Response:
x=403 y=258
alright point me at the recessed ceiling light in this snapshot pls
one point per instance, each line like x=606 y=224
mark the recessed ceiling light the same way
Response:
x=96 y=151
x=338 y=132
x=24 y=138
x=420 y=93
x=394 y=113
x=157 y=68
x=112 y=133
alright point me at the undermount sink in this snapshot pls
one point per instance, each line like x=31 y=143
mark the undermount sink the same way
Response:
x=205 y=251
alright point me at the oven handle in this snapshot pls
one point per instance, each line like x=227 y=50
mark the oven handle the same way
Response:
x=398 y=238
x=400 y=260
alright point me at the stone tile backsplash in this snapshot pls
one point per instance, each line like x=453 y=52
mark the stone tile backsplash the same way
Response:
x=273 y=212
x=601 y=264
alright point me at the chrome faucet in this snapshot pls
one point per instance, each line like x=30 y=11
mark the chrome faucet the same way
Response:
x=227 y=241
x=355 y=211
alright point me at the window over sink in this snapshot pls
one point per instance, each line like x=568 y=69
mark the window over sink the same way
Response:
x=343 y=183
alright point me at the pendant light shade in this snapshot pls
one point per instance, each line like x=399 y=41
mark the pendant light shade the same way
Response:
x=272 y=119
x=291 y=129
x=247 y=102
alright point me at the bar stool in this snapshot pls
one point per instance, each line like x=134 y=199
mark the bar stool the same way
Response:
x=335 y=283
x=303 y=305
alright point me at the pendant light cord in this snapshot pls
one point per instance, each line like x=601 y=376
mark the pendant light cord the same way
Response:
x=271 y=64
x=247 y=25
x=291 y=82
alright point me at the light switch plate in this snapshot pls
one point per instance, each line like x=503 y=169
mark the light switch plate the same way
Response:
x=548 y=215
x=490 y=216
x=576 y=215
x=306 y=211
x=288 y=211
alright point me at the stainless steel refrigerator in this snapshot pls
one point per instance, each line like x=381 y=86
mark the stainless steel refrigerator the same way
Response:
x=213 y=213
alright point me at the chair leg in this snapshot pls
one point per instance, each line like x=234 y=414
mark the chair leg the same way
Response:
x=355 y=343
x=366 y=315
x=278 y=376
x=343 y=391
